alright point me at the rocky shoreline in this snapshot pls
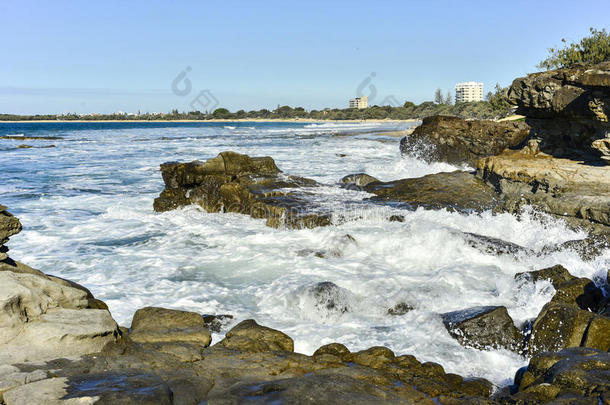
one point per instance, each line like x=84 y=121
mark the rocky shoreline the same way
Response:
x=59 y=344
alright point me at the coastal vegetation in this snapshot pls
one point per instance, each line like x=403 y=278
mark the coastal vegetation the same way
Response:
x=495 y=106
x=590 y=50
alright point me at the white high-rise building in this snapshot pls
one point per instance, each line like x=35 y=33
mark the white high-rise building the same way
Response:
x=359 y=102
x=468 y=91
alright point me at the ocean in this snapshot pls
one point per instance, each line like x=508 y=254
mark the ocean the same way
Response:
x=86 y=208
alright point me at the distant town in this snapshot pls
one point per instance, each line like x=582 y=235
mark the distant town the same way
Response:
x=469 y=102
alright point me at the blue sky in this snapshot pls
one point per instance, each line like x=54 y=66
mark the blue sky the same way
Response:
x=84 y=56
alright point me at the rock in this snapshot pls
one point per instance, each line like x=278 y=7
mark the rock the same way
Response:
x=327 y=298
x=493 y=246
x=335 y=349
x=483 y=328
x=237 y=183
x=161 y=325
x=455 y=191
x=24 y=146
x=569 y=290
x=569 y=92
x=107 y=388
x=557 y=275
x=400 y=309
x=566 y=188
x=359 y=179
x=560 y=326
x=215 y=323
x=567 y=109
x=9 y=225
x=43 y=319
x=251 y=337
x=457 y=141
x=313 y=389
x=587 y=248
x=396 y=218
x=574 y=375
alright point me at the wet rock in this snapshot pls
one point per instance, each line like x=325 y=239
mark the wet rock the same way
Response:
x=24 y=146
x=457 y=141
x=107 y=388
x=493 y=246
x=374 y=357
x=588 y=248
x=161 y=325
x=569 y=290
x=575 y=376
x=557 y=275
x=359 y=179
x=560 y=326
x=9 y=225
x=313 y=389
x=484 y=327
x=252 y=337
x=335 y=349
x=330 y=298
x=456 y=191
x=237 y=183
x=400 y=309
x=396 y=218
x=216 y=323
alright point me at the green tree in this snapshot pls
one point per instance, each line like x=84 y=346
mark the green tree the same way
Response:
x=590 y=50
x=438 y=96
x=221 y=113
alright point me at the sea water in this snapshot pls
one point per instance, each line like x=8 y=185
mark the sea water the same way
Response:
x=86 y=208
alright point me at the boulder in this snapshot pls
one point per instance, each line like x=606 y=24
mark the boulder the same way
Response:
x=455 y=191
x=560 y=326
x=569 y=290
x=574 y=375
x=43 y=319
x=161 y=325
x=567 y=109
x=484 y=328
x=216 y=323
x=9 y=226
x=358 y=179
x=491 y=245
x=252 y=337
x=457 y=141
x=237 y=183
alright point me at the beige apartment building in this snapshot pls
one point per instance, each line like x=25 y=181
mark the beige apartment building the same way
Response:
x=468 y=91
x=359 y=102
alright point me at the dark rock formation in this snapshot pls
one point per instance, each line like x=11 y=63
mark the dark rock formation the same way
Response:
x=491 y=245
x=568 y=109
x=484 y=328
x=238 y=183
x=457 y=141
x=456 y=191
x=569 y=319
x=571 y=376
x=358 y=179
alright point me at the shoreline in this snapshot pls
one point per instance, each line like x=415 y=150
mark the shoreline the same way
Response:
x=305 y=120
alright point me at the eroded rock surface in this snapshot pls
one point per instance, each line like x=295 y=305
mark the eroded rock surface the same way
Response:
x=457 y=141
x=232 y=182
x=567 y=109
